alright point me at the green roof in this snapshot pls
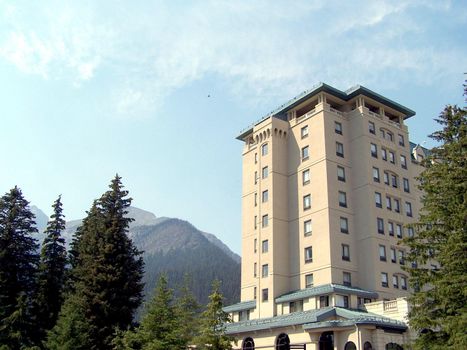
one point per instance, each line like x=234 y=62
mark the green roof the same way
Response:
x=325 y=289
x=244 y=305
x=347 y=95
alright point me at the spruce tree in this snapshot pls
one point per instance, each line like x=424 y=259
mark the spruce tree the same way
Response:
x=18 y=269
x=439 y=248
x=52 y=268
x=213 y=323
x=187 y=310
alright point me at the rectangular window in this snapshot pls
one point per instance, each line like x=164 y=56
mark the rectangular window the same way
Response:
x=394 y=181
x=304 y=131
x=406 y=185
x=339 y=149
x=397 y=206
x=308 y=254
x=386 y=178
x=395 y=281
x=296 y=306
x=344 y=223
x=371 y=128
x=382 y=253
x=244 y=315
x=265 y=246
x=392 y=158
x=345 y=252
x=378 y=200
x=399 y=231
x=256 y=177
x=265 y=271
x=265 y=295
x=390 y=136
x=256 y=158
x=265 y=222
x=388 y=203
x=305 y=154
x=384 y=279
x=265 y=196
x=393 y=255
x=323 y=301
x=374 y=150
x=403 y=162
x=309 y=280
x=338 y=128
x=255 y=222
x=410 y=232
x=391 y=228
x=255 y=292
x=307 y=227
x=408 y=209
x=256 y=199
x=255 y=270
x=306 y=176
x=342 y=199
x=340 y=173
x=255 y=245
x=306 y=202
x=401 y=140
x=401 y=257
x=346 y=279
x=264 y=149
x=384 y=154
x=375 y=174
x=403 y=283
x=380 y=225
x=265 y=172
x=383 y=133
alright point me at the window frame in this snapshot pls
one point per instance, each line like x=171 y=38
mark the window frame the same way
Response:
x=384 y=280
x=374 y=150
x=345 y=250
x=341 y=177
x=264 y=149
x=344 y=229
x=307 y=201
x=339 y=149
x=305 y=225
x=342 y=197
x=304 y=131
x=306 y=177
x=305 y=153
x=308 y=254
x=382 y=249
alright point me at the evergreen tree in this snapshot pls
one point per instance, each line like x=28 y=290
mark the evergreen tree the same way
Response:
x=52 y=267
x=212 y=325
x=187 y=310
x=439 y=310
x=18 y=269
x=106 y=269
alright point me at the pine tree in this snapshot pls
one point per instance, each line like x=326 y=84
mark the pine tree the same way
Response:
x=52 y=267
x=439 y=310
x=18 y=269
x=213 y=323
x=187 y=310
x=106 y=269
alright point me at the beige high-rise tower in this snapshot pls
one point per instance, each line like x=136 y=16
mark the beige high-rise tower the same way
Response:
x=328 y=189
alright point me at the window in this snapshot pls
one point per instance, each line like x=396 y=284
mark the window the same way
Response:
x=304 y=131
x=308 y=254
x=306 y=202
x=401 y=257
x=408 y=209
x=296 y=306
x=265 y=271
x=386 y=178
x=338 y=128
x=346 y=279
x=410 y=232
x=265 y=294
x=255 y=222
x=395 y=281
x=391 y=228
x=393 y=255
x=406 y=185
x=382 y=253
x=309 y=280
x=256 y=199
x=383 y=133
x=344 y=225
x=265 y=246
x=255 y=292
x=265 y=220
x=374 y=150
x=399 y=231
x=403 y=162
x=305 y=153
x=380 y=225
x=342 y=300
x=371 y=127
x=375 y=174
x=397 y=206
x=401 y=140
x=324 y=301
x=264 y=149
x=340 y=173
x=388 y=203
x=265 y=196
x=392 y=158
x=390 y=136
x=255 y=245
x=265 y=172
x=255 y=270
x=384 y=279
x=307 y=227
x=394 y=181
x=345 y=252
x=342 y=199
x=306 y=176
x=403 y=283
x=256 y=177
x=378 y=200
x=384 y=154
x=244 y=316
x=339 y=149
x=256 y=158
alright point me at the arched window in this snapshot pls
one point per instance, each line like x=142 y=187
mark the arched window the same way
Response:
x=393 y=346
x=367 y=346
x=248 y=344
x=326 y=341
x=282 y=342
x=350 y=345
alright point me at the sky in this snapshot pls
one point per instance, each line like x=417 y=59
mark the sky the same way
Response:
x=157 y=91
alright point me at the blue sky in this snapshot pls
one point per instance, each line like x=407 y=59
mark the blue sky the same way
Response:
x=92 y=88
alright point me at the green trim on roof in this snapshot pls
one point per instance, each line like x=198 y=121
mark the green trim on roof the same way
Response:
x=325 y=289
x=244 y=305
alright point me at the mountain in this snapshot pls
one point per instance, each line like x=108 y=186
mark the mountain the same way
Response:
x=41 y=222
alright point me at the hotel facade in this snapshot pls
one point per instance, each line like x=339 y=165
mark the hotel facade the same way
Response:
x=328 y=189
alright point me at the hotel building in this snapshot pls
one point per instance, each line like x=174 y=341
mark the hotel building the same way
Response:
x=328 y=189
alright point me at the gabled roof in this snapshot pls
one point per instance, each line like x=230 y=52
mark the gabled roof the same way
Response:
x=343 y=95
x=317 y=318
x=325 y=289
x=244 y=305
